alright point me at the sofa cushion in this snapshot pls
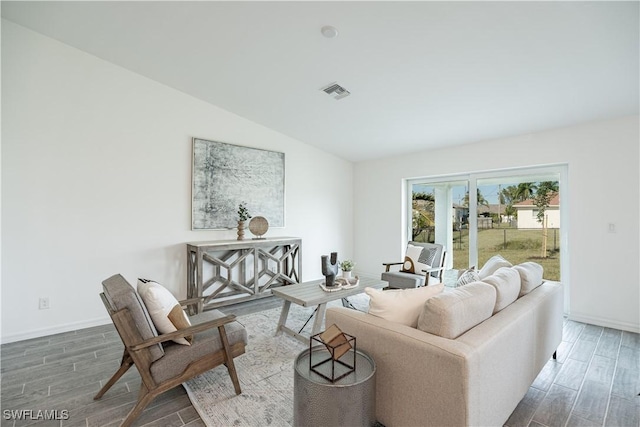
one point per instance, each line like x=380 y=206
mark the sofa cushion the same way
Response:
x=165 y=310
x=492 y=265
x=401 y=305
x=530 y=276
x=506 y=280
x=452 y=313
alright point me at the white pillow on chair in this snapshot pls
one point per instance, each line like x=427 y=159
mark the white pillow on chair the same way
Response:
x=412 y=263
x=165 y=310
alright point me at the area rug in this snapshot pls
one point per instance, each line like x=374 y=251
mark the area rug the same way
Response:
x=265 y=372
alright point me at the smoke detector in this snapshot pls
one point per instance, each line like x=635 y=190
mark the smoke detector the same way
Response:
x=329 y=31
x=335 y=90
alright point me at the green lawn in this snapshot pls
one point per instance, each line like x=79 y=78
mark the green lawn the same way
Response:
x=517 y=246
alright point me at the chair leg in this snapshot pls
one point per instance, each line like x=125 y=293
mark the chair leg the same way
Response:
x=229 y=362
x=144 y=398
x=124 y=367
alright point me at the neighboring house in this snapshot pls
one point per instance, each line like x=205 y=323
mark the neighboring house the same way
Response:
x=528 y=213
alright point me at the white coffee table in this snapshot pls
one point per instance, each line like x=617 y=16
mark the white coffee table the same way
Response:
x=310 y=294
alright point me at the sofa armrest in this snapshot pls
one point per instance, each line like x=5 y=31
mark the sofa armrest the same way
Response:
x=420 y=377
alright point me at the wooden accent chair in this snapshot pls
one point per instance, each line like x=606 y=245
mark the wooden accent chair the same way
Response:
x=432 y=254
x=163 y=364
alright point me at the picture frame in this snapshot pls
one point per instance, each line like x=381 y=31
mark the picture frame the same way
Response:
x=225 y=175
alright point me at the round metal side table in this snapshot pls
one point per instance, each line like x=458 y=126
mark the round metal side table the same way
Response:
x=350 y=401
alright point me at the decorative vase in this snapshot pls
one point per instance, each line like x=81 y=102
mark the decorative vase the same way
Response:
x=346 y=274
x=240 y=230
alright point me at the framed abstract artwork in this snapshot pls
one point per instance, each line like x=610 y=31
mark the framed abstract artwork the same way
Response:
x=225 y=175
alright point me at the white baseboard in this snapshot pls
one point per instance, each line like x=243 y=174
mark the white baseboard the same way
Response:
x=43 y=332
x=607 y=323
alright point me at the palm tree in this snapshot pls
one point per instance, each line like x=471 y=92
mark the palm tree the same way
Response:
x=508 y=196
x=525 y=191
x=481 y=200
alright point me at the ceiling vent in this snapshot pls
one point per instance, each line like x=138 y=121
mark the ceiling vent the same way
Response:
x=337 y=91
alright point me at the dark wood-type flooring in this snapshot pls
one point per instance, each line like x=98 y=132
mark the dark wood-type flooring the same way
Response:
x=594 y=382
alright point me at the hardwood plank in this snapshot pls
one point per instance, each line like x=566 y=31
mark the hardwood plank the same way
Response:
x=629 y=358
x=626 y=383
x=601 y=370
x=572 y=374
x=622 y=412
x=571 y=330
x=630 y=339
x=547 y=375
x=582 y=350
x=609 y=343
x=189 y=414
x=591 y=333
x=534 y=397
x=563 y=351
x=521 y=416
x=556 y=406
x=592 y=401
x=577 y=421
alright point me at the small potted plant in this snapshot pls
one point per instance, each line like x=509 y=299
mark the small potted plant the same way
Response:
x=243 y=215
x=346 y=266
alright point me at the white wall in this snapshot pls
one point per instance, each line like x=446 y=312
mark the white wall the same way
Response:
x=96 y=180
x=603 y=163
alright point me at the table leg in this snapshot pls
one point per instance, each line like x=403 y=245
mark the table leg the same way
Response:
x=283 y=316
x=317 y=322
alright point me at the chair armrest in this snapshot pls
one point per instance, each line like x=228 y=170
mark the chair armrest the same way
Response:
x=184 y=332
x=389 y=264
x=431 y=270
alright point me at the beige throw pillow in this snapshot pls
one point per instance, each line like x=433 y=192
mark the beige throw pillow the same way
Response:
x=164 y=309
x=492 y=265
x=453 y=313
x=530 y=276
x=401 y=305
x=506 y=280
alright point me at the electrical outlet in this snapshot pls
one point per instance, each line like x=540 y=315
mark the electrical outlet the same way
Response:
x=44 y=303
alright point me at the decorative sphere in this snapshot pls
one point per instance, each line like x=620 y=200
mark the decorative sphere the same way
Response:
x=258 y=225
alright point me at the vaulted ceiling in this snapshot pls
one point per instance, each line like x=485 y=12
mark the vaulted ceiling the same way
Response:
x=420 y=74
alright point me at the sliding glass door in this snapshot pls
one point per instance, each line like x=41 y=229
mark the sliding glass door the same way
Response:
x=516 y=213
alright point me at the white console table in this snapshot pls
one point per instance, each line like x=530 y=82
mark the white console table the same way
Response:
x=224 y=272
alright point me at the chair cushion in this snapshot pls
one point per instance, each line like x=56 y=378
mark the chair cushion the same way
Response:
x=165 y=310
x=530 y=276
x=402 y=280
x=401 y=305
x=121 y=295
x=178 y=357
x=452 y=313
x=506 y=280
x=493 y=264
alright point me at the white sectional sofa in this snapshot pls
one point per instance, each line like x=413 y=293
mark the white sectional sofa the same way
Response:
x=460 y=373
